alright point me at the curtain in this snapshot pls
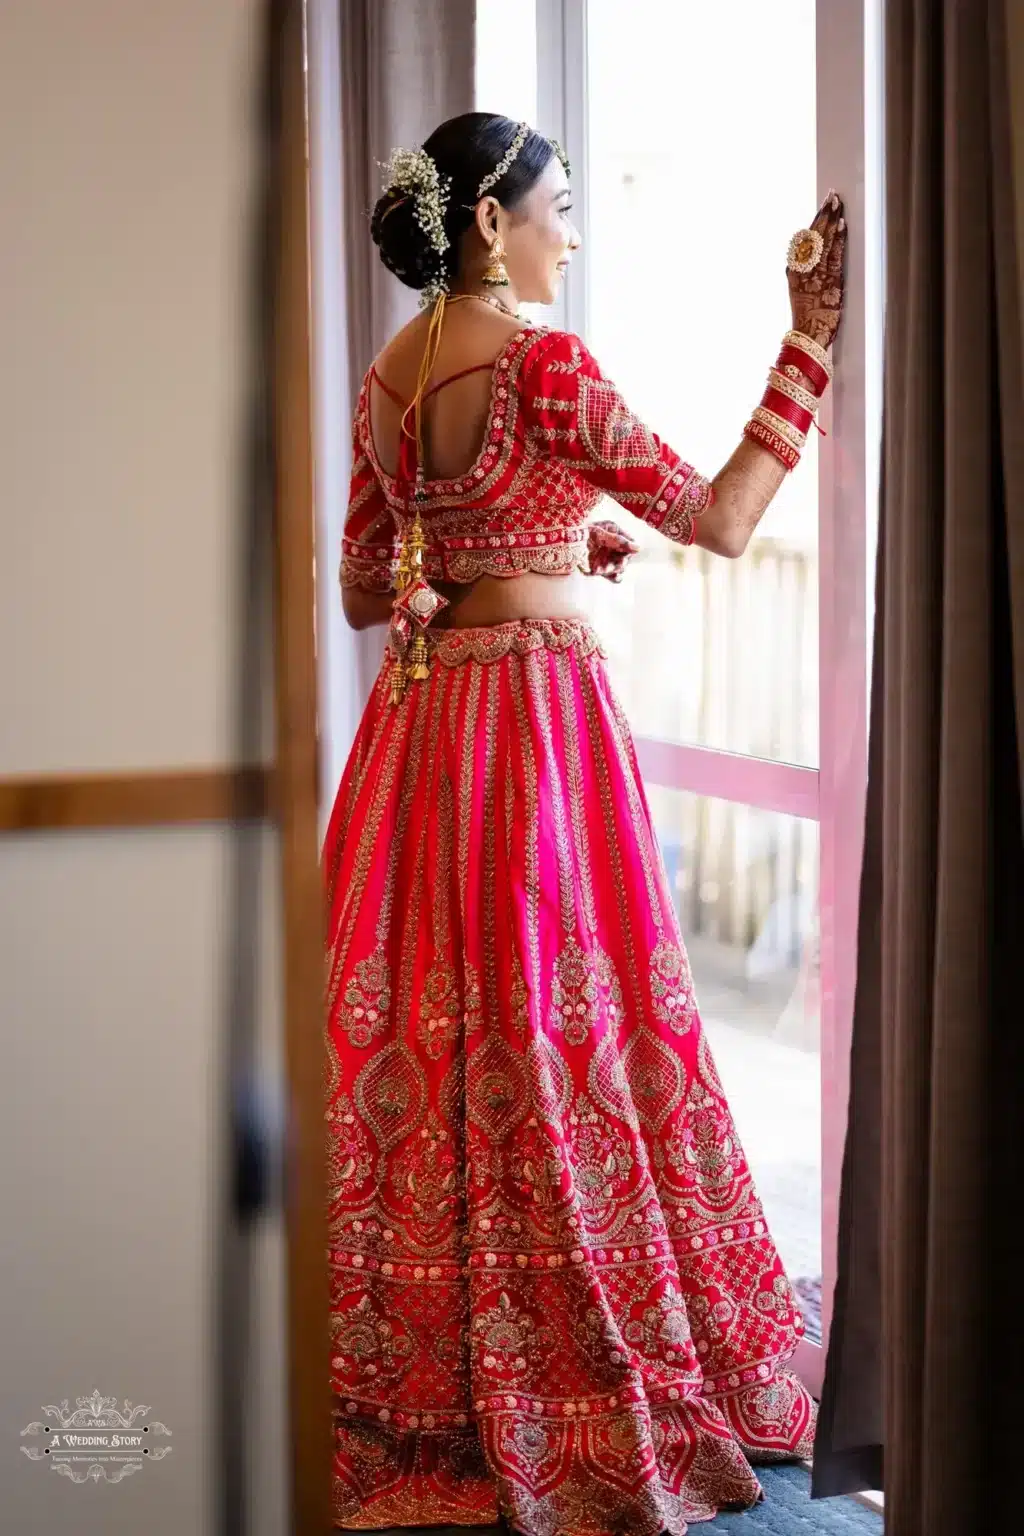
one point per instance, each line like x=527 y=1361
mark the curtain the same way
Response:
x=381 y=73
x=925 y=1336
x=406 y=66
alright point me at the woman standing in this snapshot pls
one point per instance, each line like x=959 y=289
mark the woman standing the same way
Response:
x=555 y=1300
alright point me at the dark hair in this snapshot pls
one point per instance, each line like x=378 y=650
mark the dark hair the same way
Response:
x=466 y=149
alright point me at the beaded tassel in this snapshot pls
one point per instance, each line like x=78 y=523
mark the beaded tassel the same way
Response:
x=416 y=602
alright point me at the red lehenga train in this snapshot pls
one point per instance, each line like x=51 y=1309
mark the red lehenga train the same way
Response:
x=554 y=1294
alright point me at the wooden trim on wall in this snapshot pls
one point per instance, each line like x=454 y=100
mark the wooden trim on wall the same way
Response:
x=163 y=798
x=308 y=1291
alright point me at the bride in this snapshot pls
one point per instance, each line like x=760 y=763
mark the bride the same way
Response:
x=555 y=1301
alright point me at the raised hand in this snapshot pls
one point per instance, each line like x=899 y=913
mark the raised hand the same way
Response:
x=816 y=294
x=608 y=549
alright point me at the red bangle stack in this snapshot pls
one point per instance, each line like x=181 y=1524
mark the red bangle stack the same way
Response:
x=757 y=432
x=793 y=357
x=787 y=409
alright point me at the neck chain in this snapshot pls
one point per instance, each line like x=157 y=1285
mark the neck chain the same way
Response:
x=485 y=298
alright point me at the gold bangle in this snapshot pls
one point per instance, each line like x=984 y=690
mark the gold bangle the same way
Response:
x=804 y=343
x=757 y=432
x=780 y=425
x=796 y=392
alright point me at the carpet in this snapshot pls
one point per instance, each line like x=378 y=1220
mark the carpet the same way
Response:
x=789 y=1511
x=808 y=1290
x=786 y=1511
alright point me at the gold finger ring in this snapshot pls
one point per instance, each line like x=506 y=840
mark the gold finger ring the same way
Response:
x=804 y=252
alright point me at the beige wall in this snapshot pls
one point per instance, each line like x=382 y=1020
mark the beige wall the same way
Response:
x=126 y=158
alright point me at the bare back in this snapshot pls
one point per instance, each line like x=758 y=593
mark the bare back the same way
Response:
x=454 y=418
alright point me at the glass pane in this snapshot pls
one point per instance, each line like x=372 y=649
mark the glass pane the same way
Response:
x=505 y=39
x=746 y=892
x=688 y=223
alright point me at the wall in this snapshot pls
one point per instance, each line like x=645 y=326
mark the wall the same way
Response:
x=126 y=181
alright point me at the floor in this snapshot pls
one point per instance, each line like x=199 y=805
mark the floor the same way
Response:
x=788 y=1510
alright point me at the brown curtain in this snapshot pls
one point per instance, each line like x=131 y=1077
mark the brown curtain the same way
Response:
x=406 y=66
x=926 y=1337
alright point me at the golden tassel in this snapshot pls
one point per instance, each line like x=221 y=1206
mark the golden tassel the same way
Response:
x=419 y=660
x=398 y=681
x=416 y=667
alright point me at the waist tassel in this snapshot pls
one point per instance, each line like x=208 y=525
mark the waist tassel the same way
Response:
x=416 y=604
x=414 y=609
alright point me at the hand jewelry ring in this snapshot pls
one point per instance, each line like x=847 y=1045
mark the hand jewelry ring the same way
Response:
x=804 y=252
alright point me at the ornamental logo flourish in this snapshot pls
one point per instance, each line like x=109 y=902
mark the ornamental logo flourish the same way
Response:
x=96 y=1441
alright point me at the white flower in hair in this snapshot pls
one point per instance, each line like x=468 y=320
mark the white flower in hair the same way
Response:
x=509 y=157
x=414 y=171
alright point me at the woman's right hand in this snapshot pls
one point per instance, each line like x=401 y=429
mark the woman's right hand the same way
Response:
x=816 y=297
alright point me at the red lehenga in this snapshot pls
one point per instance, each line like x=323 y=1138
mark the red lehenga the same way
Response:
x=554 y=1295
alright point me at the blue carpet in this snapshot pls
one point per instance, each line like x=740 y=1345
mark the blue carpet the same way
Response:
x=788 y=1511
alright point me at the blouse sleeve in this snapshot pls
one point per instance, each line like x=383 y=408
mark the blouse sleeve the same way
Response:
x=369 y=542
x=576 y=415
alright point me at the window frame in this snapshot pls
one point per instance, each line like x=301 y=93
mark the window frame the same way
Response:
x=833 y=794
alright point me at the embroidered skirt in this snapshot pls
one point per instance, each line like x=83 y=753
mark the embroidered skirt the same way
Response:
x=553 y=1293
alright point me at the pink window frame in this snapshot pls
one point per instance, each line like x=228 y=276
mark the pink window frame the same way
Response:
x=848 y=154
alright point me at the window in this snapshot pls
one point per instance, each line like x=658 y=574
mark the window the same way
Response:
x=700 y=137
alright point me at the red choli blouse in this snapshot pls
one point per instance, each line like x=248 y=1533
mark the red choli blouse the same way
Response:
x=559 y=435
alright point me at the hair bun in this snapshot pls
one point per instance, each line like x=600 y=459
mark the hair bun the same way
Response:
x=405 y=248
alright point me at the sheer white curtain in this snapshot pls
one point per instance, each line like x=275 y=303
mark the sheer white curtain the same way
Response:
x=381 y=73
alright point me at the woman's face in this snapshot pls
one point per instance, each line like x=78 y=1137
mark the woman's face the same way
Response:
x=539 y=237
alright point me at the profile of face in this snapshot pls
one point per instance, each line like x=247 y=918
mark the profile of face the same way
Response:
x=538 y=235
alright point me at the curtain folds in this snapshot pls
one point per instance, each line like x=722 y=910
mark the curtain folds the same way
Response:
x=925 y=1333
x=406 y=66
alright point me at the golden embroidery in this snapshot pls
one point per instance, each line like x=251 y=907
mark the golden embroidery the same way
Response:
x=391 y=1094
x=672 y=986
x=596 y=737
x=662 y=1331
x=583 y=987
x=367 y=999
x=548 y=560
x=490 y=832
x=560 y=365
x=473 y=1002
x=368 y=1346
x=349 y=1161
x=504 y=1335
x=497 y=1084
x=654 y=1073
x=574 y=781
x=601 y=1158
x=452 y=647
x=424 y=1173
x=613 y=437
x=439 y=1011
x=532 y=820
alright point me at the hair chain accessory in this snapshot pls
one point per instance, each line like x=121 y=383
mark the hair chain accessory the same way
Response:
x=506 y=161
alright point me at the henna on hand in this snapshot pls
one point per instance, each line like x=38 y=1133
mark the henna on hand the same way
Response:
x=608 y=550
x=816 y=297
x=744 y=490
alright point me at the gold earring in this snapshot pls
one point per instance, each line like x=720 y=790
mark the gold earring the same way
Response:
x=496 y=275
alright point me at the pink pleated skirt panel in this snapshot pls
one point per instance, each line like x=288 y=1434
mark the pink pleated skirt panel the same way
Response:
x=554 y=1295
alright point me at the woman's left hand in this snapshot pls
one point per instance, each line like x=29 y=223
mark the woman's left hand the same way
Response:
x=609 y=550
x=816 y=297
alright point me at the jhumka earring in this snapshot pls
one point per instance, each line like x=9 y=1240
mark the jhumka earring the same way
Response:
x=496 y=275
